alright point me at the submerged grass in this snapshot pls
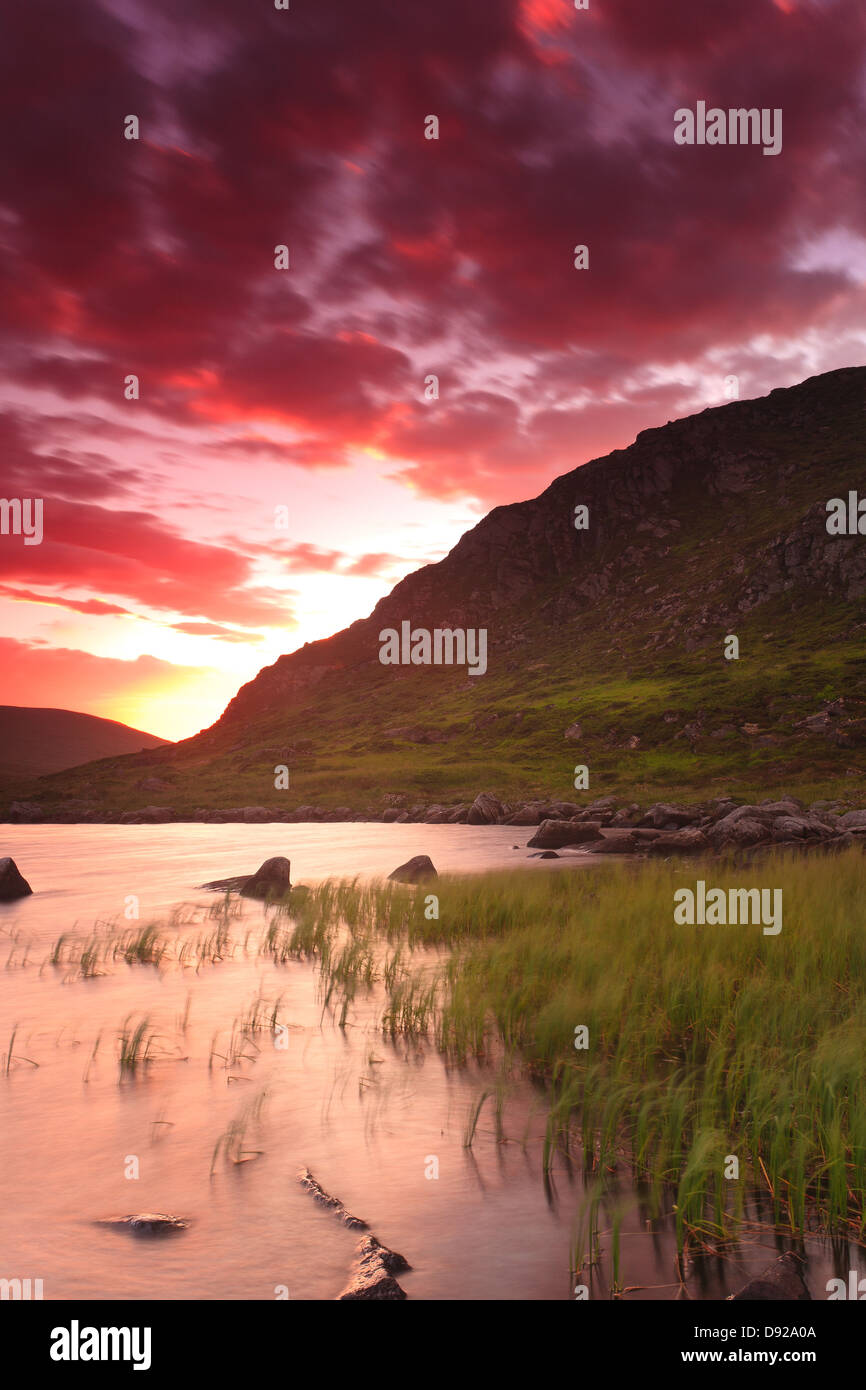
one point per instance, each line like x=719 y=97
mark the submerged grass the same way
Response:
x=706 y=1043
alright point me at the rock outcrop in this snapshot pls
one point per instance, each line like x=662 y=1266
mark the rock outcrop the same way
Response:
x=12 y=884
x=375 y=1266
x=269 y=882
x=373 y=1277
x=554 y=834
x=318 y=1193
x=419 y=869
x=147 y=1223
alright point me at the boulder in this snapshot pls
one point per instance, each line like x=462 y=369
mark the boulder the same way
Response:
x=147 y=1223
x=665 y=816
x=781 y=1282
x=318 y=1193
x=524 y=815
x=739 y=830
x=485 y=810
x=544 y=854
x=573 y=734
x=416 y=870
x=799 y=827
x=257 y=815
x=689 y=840
x=626 y=815
x=614 y=842
x=270 y=880
x=553 y=834
x=12 y=884
x=374 y=1273
x=852 y=820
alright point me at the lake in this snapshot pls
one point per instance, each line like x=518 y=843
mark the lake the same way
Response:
x=373 y=1119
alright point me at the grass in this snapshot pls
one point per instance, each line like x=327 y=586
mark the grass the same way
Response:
x=136 y=1045
x=705 y=1042
x=232 y=1143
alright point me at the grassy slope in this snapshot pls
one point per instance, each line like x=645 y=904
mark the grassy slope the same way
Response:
x=613 y=693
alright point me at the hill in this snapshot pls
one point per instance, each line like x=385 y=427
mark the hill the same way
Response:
x=705 y=528
x=36 y=741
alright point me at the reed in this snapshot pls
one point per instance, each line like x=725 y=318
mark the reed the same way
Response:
x=704 y=1042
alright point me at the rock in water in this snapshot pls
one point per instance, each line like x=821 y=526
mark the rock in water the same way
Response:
x=148 y=1223
x=12 y=885
x=780 y=1282
x=315 y=1189
x=374 y=1276
x=554 y=834
x=485 y=810
x=270 y=880
x=416 y=870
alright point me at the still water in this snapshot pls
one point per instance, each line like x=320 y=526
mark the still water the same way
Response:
x=372 y=1119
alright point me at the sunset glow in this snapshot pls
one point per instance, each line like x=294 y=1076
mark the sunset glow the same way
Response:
x=165 y=580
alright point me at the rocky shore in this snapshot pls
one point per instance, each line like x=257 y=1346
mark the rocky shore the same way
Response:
x=606 y=825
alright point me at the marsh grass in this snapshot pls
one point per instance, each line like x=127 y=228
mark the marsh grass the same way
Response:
x=232 y=1143
x=136 y=1045
x=704 y=1041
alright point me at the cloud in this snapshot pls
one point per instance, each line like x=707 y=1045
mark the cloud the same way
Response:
x=90 y=606
x=225 y=634
x=135 y=556
x=306 y=558
x=408 y=256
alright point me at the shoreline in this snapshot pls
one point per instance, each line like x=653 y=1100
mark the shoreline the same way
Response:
x=608 y=825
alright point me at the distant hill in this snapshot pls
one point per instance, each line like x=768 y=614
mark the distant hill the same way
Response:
x=606 y=645
x=37 y=741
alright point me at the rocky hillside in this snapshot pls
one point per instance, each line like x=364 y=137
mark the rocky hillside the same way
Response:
x=606 y=645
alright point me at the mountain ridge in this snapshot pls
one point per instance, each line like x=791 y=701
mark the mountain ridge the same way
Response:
x=707 y=526
x=653 y=476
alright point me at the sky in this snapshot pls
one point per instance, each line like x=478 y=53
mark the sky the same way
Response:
x=287 y=458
